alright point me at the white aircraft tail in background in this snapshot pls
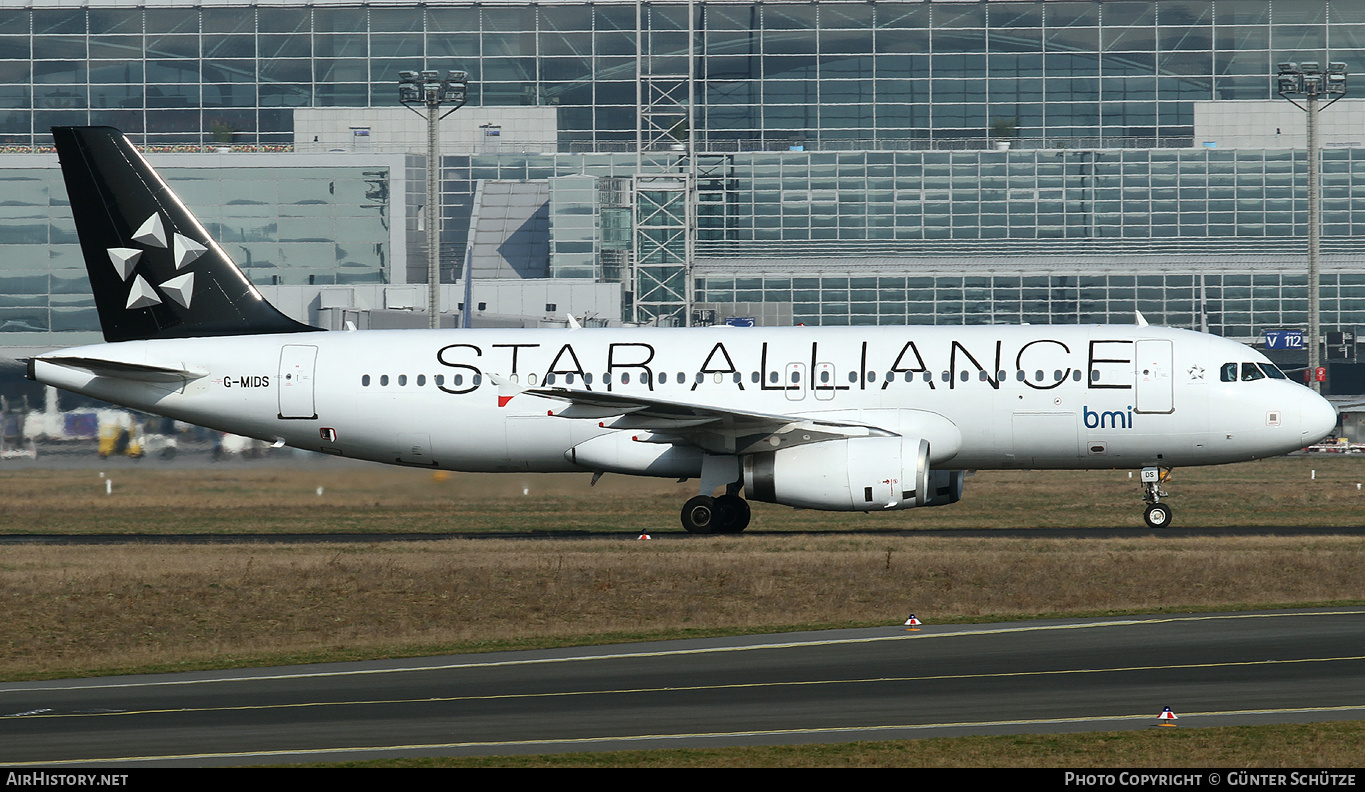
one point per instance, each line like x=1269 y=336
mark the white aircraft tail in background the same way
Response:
x=844 y=419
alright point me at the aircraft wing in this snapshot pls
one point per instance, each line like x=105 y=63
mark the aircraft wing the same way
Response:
x=713 y=429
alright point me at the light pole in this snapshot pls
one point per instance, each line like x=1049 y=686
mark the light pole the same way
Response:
x=429 y=88
x=1311 y=82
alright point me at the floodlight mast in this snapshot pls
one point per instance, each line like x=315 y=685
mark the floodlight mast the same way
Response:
x=429 y=88
x=1308 y=80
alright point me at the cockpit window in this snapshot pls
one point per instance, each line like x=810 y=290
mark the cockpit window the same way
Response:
x=1249 y=372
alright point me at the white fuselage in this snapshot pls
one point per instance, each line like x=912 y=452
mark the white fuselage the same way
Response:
x=1020 y=397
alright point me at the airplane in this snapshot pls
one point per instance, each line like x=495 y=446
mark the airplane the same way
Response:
x=834 y=418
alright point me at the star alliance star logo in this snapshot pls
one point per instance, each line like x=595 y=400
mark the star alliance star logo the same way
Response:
x=1196 y=372
x=152 y=234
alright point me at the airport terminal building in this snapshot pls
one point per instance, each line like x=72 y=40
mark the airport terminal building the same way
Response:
x=818 y=162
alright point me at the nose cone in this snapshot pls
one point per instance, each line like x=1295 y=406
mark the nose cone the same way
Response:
x=1317 y=417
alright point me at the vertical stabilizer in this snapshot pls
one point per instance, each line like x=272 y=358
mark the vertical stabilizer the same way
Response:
x=155 y=271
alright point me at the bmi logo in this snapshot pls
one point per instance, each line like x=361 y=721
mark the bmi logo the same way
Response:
x=1110 y=419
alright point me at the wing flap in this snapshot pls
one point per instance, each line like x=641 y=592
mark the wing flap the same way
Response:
x=713 y=429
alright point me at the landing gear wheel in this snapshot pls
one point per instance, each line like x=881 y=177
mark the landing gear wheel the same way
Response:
x=699 y=515
x=733 y=514
x=1158 y=515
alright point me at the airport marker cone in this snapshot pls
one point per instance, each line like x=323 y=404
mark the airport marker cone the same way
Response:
x=912 y=623
x=1167 y=717
x=643 y=537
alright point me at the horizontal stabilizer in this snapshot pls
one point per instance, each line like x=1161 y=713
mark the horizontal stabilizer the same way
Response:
x=119 y=370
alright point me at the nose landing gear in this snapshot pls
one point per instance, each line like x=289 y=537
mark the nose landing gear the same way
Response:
x=1157 y=514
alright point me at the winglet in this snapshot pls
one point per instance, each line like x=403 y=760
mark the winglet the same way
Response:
x=506 y=389
x=573 y=323
x=1141 y=320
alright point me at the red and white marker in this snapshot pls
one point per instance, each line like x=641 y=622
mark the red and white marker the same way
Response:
x=912 y=621
x=643 y=537
x=1167 y=717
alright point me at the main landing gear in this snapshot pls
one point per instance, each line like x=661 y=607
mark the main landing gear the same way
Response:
x=1158 y=514
x=727 y=514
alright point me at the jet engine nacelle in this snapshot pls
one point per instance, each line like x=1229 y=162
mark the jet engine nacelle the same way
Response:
x=855 y=474
x=945 y=487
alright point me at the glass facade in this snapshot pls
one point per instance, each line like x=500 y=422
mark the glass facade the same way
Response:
x=1238 y=305
x=1041 y=202
x=1060 y=202
x=844 y=151
x=767 y=72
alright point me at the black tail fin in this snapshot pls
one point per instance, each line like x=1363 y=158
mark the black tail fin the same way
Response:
x=155 y=271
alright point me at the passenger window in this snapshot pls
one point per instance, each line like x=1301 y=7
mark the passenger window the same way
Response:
x=365 y=380
x=402 y=379
x=383 y=379
x=421 y=380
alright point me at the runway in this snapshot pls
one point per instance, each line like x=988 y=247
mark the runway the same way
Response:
x=868 y=684
x=669 y=534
